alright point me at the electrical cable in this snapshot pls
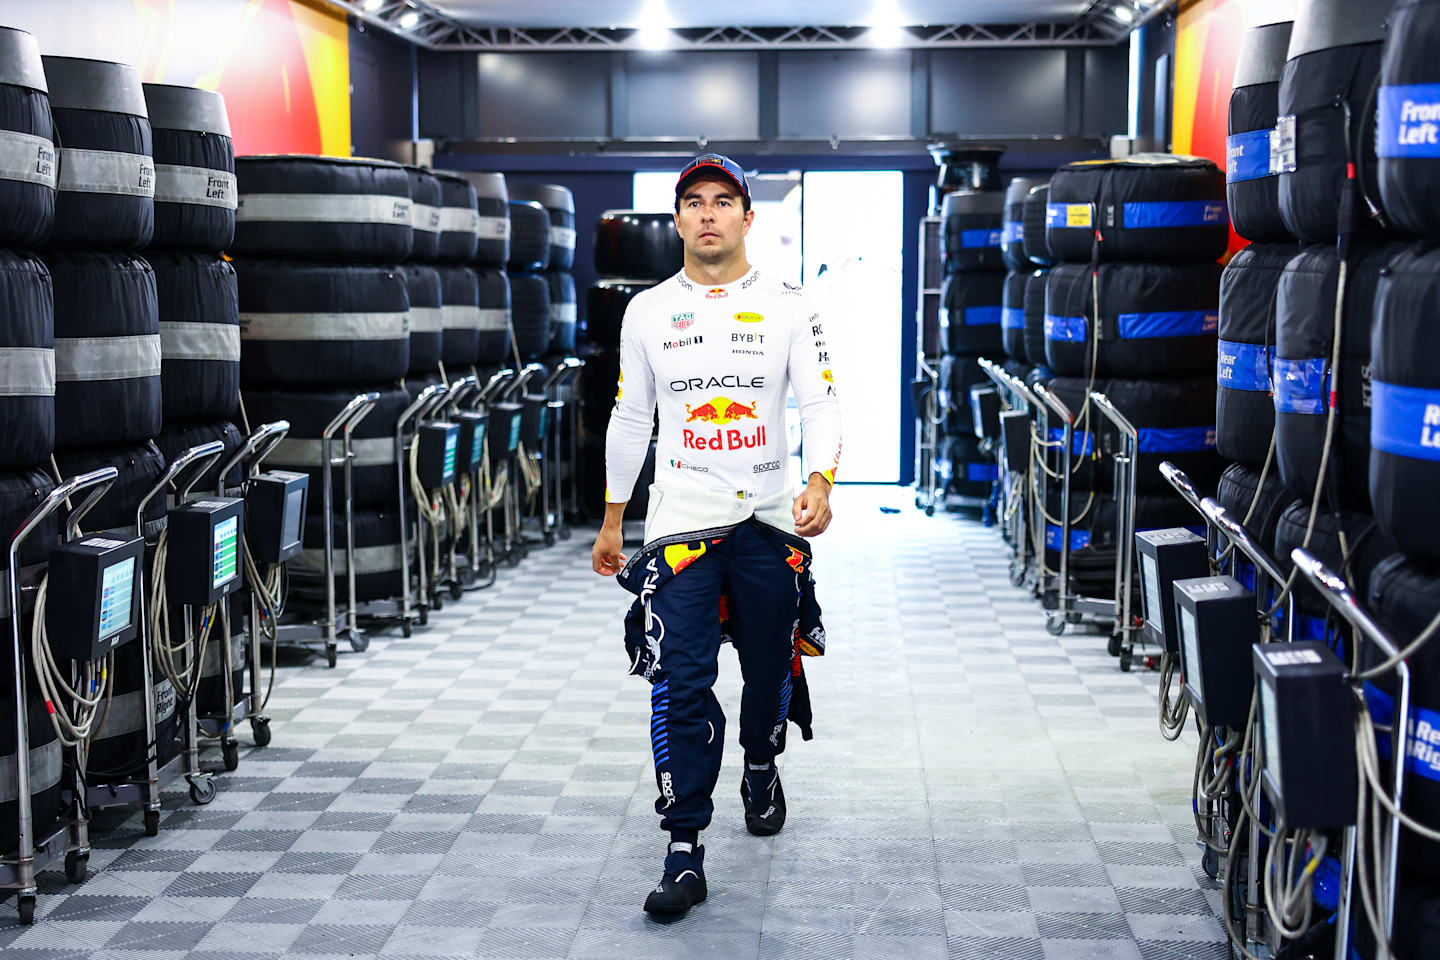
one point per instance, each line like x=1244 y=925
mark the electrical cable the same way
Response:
x=1173 y=712
x=74 y=714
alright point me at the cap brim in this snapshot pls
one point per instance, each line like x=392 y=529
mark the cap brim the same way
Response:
x=710 y=170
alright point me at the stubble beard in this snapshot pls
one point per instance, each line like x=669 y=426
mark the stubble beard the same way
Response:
x=711 y=255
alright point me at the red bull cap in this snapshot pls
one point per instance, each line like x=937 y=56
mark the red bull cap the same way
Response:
x=707 y=163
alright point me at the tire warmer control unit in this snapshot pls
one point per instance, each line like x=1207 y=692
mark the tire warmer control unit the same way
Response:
x=204 y=565
x=1216 y=616
x=275 y=514
x=96 y=577
x=1167 y=555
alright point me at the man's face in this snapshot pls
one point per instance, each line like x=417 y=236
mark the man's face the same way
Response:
x=712 y=219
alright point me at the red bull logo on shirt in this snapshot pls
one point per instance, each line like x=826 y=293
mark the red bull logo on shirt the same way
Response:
x=721 y=410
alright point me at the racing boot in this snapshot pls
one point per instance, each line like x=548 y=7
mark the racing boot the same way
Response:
x=682 y=885
x=764 y=799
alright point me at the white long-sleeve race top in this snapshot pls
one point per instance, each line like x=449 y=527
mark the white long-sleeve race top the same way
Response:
x=719 y=362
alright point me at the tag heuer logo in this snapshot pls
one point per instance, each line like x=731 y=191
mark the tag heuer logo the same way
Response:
x=682 y=321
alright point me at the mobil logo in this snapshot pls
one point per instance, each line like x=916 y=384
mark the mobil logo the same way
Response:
x=720 y=410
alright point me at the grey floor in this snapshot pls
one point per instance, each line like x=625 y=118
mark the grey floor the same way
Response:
x=976 y=789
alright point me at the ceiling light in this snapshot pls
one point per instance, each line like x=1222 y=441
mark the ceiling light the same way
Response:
x=1124 y=14
x=885 y=30
x=653 y=31
x=408 y=19
x=370 y=6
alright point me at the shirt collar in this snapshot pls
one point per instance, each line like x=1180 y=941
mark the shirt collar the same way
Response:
x=717 y=292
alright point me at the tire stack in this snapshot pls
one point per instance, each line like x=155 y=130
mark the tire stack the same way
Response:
x=492 y=253
x=530 y=250
x=108 y=345
x=1037 y=250
x=1132 y=311
x=324 y=315
x=1404 y=589
x=28 y=177
x=633 y=252
x=559 y=205
x=972 y=307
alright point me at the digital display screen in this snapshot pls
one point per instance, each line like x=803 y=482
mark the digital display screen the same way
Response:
x=1270 y=723
x=117 y=587
x=514 y=431
x=294 y=505
x=477 y=445
x=1151 y=572
x=227 y=542
x=452 y=443
x=1190 y=650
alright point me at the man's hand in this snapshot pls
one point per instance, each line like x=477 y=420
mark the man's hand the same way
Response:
x=812 y=508
x=606 y=557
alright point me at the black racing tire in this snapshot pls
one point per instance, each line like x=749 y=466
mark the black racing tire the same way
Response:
x=1012 y=315
x=1367 y=546
x=1156 y=319
x=28 y=177
x=1239 y=489
x=529 y=237
x=492 y=199
x=1034 y=304
x=1304 y=382
x=1037 y=249
x=27 y=340
x=1012 y=230
x=1409 y=178
x=21 y=491
x=559 y=204
x=460 y=315
x=972 y=307
x=598 y=384
x=970 y=233
x=195 y=194
x=199 y=309
x=107 y=349
x=311 y=324
x=106 y=191
x=1149 y=207
x=322 y=208
x=423 y=289
x=495 y=317
x=1244 y=412
x=1252 y=190
x=1176 y=421
x=563 y=312
x=425 y=203
x=530 y=314
x=1327 y=84
x=637 y=245
x=373 y=470
x=377 y=557
x=459 y=219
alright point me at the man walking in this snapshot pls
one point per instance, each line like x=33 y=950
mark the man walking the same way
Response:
x=717 y=347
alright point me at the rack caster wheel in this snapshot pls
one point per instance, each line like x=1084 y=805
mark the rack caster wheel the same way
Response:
x=260 y=730
x=456 y=591
x=512 y=558
x=930 y=510
x=1126 y=661
x=437 y=601
x=524 y=551
x=1017 y=575
x=1113 y=647
x=26 y=905
x=565 y=533
x=406 y=630
x=1210 y=863
x=202 y=791
x=230 y=755
x=331 y=655
x=549 y=538
x=152 y=823
x=424 y=616
x=1054 y=625
x=359 y=642
x=77 y=865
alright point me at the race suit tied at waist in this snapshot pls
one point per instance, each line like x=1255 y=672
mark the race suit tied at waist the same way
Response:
x=660 y=561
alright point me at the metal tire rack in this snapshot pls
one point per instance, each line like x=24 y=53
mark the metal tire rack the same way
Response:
x=333 y=624
x=69 y=839
x=248 y=458
x=1223 y=529
x=560 y=407
x=927 y=384
x=1016 y=510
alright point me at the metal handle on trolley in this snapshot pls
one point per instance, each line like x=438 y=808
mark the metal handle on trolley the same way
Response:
x=526 y=375
x=1334 y=590
x=459 y=390
x=568 y=368
x=435 y=402
x=101 y=480
x=1217 y=515
x=1113 y=414
x=496 y=383
x=353 y=412
x=206 y=451
x=1053 y=402
x=425 y=399
x=1177 y=479
x=265 y=439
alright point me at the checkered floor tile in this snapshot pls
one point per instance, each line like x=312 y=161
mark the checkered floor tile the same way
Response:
x=976 y=789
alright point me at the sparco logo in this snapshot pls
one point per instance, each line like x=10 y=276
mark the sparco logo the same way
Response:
x=667 y=788
x=733 y=380
x=766 y=467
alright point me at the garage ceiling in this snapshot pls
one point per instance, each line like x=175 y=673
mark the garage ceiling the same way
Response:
x=753 y=13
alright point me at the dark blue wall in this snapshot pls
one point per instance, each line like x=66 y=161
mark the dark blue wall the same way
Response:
x=382 y=92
